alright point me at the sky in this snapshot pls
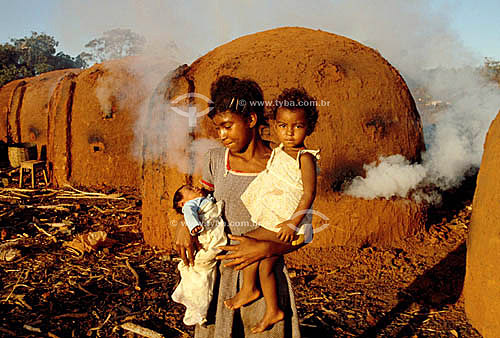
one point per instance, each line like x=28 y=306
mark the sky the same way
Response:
x=426 y=40
x=73 y=23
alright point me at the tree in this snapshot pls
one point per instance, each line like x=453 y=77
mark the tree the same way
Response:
x=113 y=44
x=31 y=56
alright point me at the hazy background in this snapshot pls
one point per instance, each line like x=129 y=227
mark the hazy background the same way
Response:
x=434 y=44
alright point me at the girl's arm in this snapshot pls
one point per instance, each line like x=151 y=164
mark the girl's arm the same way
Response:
x=308 y=170
x=185 y=244
x=250 y=250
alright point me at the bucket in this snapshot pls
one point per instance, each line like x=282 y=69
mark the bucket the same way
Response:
x=21 y=152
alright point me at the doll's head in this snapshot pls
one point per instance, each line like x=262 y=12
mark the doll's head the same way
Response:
x=184 y=194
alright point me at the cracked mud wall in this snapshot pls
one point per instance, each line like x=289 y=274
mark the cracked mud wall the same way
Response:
x=105 y=103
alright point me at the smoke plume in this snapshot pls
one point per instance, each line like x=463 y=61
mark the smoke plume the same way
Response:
x=414 y=36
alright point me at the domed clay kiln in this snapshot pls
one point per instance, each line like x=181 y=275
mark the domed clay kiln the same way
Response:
x=482 y=278
x=368 y=112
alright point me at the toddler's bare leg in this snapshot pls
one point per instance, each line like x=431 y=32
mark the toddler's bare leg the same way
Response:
x=267 y=278
x=263 y=234
x=248 y=291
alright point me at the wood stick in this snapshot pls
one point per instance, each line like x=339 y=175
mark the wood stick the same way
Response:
x=115 y=211
x=11 y=197
x=101 y=326
x=17 y=189
x=52 y=335
x=330 y=312
x=89 y=193
x=136 y=275
x=20 y=299
x=145 y=332
x=71 y=315
x=184 y=334
x=15 y=285
x=31 y=328
x=86 y=291
x=61 y=207
x=308 y=325
x=9 y=332
x=127 y=211
x=99 y=209
x=109 y=197
x=41 y=230
x=19 y=195
x=81 y=191
x=46 y=195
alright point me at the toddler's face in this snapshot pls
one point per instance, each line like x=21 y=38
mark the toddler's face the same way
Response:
x=291 y=127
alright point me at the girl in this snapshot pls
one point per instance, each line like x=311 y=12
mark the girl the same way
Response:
x=228 y=172
x=280 y=198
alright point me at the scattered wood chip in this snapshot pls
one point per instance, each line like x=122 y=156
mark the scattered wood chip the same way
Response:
x=145 y=332
x=73 y=315
x=136 y=275
x=31 y=328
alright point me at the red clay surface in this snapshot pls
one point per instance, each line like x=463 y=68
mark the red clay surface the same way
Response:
x=370 y=113
x=482 y=282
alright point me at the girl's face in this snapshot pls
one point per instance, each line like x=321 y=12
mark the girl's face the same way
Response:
x=235 y=131
x=291 y=127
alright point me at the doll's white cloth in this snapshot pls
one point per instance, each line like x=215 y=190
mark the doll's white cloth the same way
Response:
x=196 y=287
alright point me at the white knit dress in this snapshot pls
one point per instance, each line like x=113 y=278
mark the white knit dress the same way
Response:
x=274 y=195
x=222 y=322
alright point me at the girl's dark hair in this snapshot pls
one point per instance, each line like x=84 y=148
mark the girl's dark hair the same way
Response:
x=297 y=98
x=178 y=196
x=238 y=96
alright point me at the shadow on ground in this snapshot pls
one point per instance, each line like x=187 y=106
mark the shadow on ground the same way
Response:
x=437 y=287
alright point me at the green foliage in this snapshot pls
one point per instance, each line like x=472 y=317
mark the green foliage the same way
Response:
x=113 y=44
x=31 y=56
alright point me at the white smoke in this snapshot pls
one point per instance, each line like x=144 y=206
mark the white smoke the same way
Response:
x=454 y=138
x=414 y=36
x=163 y=134
x=393 y=173
x=456 y=145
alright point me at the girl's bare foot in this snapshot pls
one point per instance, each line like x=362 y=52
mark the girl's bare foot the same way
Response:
x=243 y=297
x=269 y=319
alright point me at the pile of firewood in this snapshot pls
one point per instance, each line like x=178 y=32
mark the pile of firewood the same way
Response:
x=73 y=263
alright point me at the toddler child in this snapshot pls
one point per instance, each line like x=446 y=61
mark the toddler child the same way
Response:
x=280 y=198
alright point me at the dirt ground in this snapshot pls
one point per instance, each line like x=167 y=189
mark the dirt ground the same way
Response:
x=50 y=291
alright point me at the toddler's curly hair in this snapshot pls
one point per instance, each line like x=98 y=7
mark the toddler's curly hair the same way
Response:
x=297 y=98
